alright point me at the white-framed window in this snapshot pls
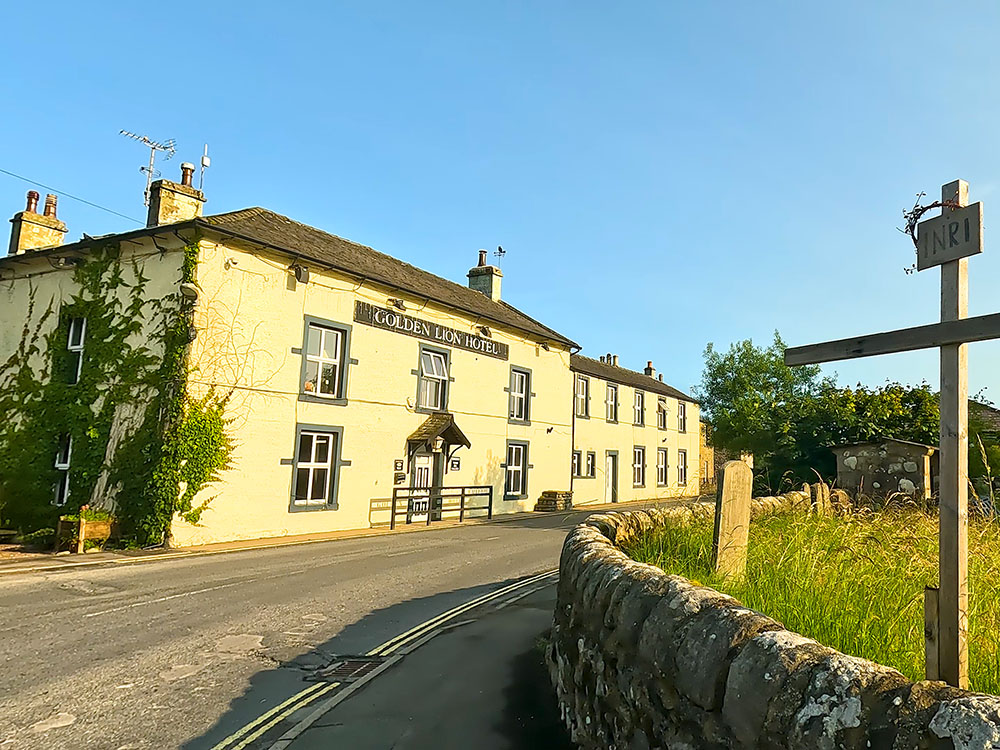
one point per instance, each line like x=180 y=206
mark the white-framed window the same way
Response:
x=74 y=345
x=324 y=361
x=682 y=467
x=64 y=452
x=314 y=469
x=433 y=387
x=639 y=409
x=520 y=395
x=577 y=456
x=638 y=466
x=682 y=417
x=516 y=477
x=591 y=464
x=661 y=413
x=611 y=403
x=661 y=467
x=582 y=399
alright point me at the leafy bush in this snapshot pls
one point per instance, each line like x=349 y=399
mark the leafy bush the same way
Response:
x=39 y=538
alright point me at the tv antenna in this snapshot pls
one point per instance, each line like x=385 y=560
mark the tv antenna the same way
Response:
x=499 y=252
x=168 y=147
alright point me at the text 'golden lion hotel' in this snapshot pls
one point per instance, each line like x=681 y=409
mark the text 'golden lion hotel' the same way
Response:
x=356 y=376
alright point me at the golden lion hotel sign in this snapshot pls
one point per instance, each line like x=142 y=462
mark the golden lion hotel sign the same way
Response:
x=390 y=320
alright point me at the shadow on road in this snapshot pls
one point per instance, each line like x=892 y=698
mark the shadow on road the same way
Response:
x=523 y=712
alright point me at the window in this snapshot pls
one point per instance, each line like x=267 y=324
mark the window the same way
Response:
x=433 y=380
x=682 y=417
x=638 y=466
x=576 y=463
x=661 y=413
x=324 y=362
x=639 y=409
x=611 y=403
x=520 y=395
x=516 y=481
x=582 y=396
x=74 y=345
x=64 y=450
x=314 y=470
x=661 y=467
x=591 y=464
x=682 y=467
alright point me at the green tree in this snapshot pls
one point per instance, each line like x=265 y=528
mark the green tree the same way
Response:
x=788 y=418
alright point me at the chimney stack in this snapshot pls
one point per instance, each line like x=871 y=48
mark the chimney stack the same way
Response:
x=34 y=231
x=649 y=369
x=170 y=202
x=485 y=278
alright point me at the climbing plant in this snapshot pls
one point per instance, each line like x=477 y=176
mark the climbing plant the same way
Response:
x=141 y=445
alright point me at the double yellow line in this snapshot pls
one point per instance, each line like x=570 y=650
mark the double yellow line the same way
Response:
x=247 y=734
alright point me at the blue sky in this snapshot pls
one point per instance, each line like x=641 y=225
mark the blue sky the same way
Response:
x=661 y=174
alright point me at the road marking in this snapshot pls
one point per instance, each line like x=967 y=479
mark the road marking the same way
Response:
x=303 y=698
x=393 y=643
x=162 y=599
x=490 y=538
x=197 y=591
x=264 y=728
x=407 y=552
x=265 y=716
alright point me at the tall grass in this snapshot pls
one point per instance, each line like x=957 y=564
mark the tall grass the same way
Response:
x=852 y=582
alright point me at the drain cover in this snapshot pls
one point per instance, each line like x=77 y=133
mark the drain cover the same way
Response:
x=349 y=668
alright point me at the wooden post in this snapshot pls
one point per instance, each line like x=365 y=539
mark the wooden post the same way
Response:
x=81 y=535
x=953 y=542
x=732 y=519
x=932 y=640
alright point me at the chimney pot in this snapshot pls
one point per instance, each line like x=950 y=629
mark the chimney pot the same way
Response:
x=661 y=377
x=614 y=360
x=32 y=204
x=187 y=173
x=50 y=206
x=482 y=258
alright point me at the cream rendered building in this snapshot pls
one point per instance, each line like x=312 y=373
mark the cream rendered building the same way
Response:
x=346 y=377
x=634 y=436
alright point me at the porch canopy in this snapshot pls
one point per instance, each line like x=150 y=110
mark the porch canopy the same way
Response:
x=436 y=426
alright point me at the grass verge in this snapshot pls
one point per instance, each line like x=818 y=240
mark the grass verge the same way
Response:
x=854 y=582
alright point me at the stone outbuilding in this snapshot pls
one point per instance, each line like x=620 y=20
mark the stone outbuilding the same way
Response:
x=887 y=466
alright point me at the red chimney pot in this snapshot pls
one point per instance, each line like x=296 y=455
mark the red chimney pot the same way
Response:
x=32 y=206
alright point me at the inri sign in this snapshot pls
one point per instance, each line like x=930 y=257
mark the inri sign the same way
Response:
x=957 y=233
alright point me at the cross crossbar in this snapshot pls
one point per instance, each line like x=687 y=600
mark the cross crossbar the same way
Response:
x=980 y=328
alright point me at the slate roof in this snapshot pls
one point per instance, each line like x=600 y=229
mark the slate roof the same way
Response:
x=989 y=416
x=605 y=371
x=308 y=243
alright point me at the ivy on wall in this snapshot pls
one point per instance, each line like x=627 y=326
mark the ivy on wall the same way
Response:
x=142 y=446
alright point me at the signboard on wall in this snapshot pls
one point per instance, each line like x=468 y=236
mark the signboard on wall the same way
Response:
x=390 y=320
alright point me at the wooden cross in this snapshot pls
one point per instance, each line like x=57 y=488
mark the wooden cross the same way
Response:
x=947 y=241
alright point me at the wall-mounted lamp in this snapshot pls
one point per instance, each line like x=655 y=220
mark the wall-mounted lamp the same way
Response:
x=231 y=262
x=189 y=291
x=397 y=303
x=544 y=346
x=65 y=261
x=485 y=331
x=438 y=444
x=301 y=273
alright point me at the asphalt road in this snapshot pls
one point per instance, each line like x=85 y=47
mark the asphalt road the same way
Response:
x=182 y=653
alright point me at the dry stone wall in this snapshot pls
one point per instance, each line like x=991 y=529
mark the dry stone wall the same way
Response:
x=643 y=659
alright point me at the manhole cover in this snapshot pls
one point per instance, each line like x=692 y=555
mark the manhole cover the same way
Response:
x=349 y=668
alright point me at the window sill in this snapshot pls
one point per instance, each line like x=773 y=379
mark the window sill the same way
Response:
x=582 y=416
x=522 y=422
x=515 y=497
x=311 y=398
x=310 y=508
x=428 y=410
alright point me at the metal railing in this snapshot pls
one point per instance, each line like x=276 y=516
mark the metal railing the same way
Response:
x=435 y=502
